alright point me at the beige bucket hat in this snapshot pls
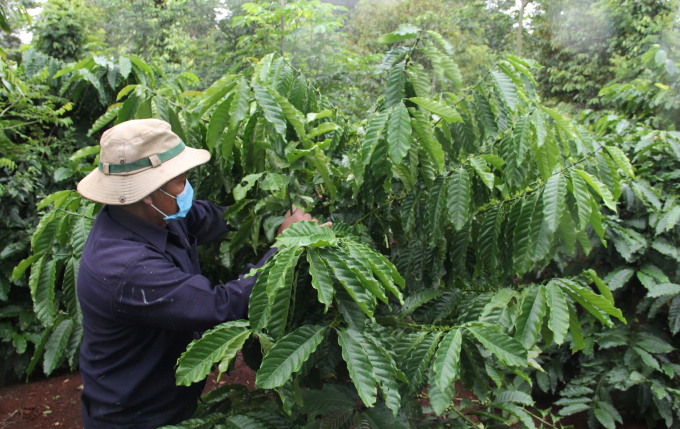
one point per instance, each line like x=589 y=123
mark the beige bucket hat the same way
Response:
x=136 y=158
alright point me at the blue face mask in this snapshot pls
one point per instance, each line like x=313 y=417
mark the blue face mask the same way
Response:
x=184 y=200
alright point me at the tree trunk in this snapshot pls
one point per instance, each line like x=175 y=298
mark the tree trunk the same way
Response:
x=283 y=6
x=520 y=27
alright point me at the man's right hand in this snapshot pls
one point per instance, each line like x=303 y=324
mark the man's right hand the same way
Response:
x=297 y=216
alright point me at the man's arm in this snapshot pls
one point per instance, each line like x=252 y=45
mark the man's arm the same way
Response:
x=205 y=222
x=162 y=295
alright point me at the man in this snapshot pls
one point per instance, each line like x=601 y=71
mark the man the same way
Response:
x=142 y=296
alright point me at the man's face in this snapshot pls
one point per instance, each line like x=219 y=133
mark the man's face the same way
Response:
x=165 y=203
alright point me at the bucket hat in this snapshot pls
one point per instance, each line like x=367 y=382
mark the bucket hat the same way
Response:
x=136 y=158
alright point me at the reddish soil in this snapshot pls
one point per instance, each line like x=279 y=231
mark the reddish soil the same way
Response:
x=55 y=402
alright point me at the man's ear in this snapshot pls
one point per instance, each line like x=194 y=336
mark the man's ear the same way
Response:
x=147 y=200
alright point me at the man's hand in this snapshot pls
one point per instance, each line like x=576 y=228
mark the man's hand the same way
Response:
x=297 y=216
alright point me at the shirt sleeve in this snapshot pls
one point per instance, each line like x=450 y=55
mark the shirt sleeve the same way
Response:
x=158 y=293
x=205 y=222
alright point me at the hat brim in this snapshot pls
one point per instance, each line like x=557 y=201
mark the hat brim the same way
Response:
x=121 y=190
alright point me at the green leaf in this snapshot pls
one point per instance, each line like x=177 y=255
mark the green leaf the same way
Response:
x=506 y=88
x=597 y=305
x=447 y=360
x=575 y=330
x=553 y=201
x=600 y=188
x=103 y=120
x=287 y=356
x=396 y=277
x=57 y=198
x=487 y=242
x=349 y=280
x=668 y=221
x=526 y=224
x=286 y=259
x=259 y=308
x=515 y=396
x=427 y=141
x=559 y=312
x=506 y=348
x=674 y=315
x=241 y=190
x=45 y=233
x=458 y=198
x=437 y=209
x=85 y=152
x=56 y=345
x=240 y=103
x=331 y=397
x=518 y=412
x=307 y=233
x=384 y=369
x=241 y=422
x=323 y=128
x=218 y=121
x=451 y=70
x=621 y=160
x=69 y=287
x=215 y=93
x=361 y=268
x=399 y=133
x=579 y=190
x=445 y=112
x=647 y=358
x=605 y=418
x=22 y=267
x=272 y=110
x=647 y=194
x=81 y=229
x=281 y=306
x=529 y=321
x=292 y=114
x=381 y=418
x=321 y=281
x=380 y=269
x=619 y=277
x=601 y=286
x=41 y=283
x=440 y=399
x=358 y=364
x=483 y=171
x=663 y=289
x=219 y=343
x=394 y=88
x=418 y=298
x=125 y=66
x=404 y=32
x=522 y=137
x=374 y=131
x=562 y=122
x=539 y=126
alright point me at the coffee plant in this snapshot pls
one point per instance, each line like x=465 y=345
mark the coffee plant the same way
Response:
x=457 y=214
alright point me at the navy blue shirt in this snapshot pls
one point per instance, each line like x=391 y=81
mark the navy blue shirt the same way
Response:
x=143 y=300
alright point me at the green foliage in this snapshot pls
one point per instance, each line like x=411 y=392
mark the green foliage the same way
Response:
x=587 y=45
x=462 y=217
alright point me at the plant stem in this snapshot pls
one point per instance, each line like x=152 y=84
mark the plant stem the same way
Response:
x=75 y=214
x=467 y=419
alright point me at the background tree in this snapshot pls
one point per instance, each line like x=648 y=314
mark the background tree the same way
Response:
x=588 y=44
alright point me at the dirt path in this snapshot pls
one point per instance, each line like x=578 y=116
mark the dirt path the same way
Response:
x=55 y=402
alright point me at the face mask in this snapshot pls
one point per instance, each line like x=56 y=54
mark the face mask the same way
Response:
x=184 y=200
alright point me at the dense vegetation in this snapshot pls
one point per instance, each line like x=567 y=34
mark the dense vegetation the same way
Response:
x=486 y=239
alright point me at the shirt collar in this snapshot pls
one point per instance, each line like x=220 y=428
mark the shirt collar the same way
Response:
x=154 y=234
